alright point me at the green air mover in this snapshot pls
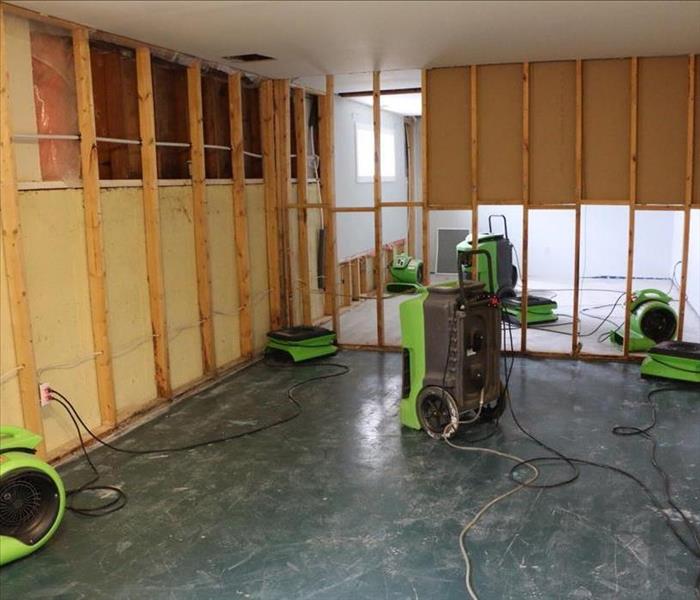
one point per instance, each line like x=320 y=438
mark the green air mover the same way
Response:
x=451 y=347
x=500 y=252
x=407 y=273
x=300 y=343
x=652 y=320
x=32 y=496
x=673 y=360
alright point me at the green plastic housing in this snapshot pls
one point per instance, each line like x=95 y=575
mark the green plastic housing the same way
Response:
x=643 y=302
x=486 y=242
x=413 y=342
x=306 y=349
x=14 y=460
x=542 y=313
x=407 y=275
x=671 y=367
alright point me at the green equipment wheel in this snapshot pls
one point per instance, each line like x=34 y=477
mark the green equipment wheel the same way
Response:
x=437 y=412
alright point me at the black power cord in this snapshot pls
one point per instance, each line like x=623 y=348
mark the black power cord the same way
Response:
x=625 y=430
x=120 y=498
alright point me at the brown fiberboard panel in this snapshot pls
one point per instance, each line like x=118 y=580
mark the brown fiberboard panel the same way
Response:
x=552 y=132
x=606 y=109
x=663 y=95
x=500 y=126
x=449 y=171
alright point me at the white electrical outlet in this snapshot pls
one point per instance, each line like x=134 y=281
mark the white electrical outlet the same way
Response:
x=44 y=394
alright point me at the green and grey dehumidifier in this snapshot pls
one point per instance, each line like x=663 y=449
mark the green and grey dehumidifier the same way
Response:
x=451 y=348
x=407 y=275
x=652 y=321
x=32 y=496
x=500 y=250
x=300 y=343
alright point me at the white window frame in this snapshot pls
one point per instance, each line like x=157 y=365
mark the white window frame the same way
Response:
x=386 y=133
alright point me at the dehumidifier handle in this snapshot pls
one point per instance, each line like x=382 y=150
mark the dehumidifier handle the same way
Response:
x=505 y=224
x=462 y=262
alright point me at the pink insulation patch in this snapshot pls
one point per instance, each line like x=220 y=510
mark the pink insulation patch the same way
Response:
x=55 y=105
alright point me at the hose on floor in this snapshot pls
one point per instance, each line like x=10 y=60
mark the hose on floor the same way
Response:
x=117 y=498
x=688 y=529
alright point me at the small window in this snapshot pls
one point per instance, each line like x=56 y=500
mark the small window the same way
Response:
x=364 y=153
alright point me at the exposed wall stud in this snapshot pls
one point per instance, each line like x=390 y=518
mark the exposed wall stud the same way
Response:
x=240 y=218
x=632 y=199
x=410 y=132
x=199 y=210
x=356 y=278
x=379 y=272
x=474 y=162
x=300 y=129
x=270 y=187
x=425 y=156
x=151 y=219
x=688 y=199
x=14 y=260
x=526 y=203
x=93 y=227
x=284 y=178
x=578 y=195
x=327 y=152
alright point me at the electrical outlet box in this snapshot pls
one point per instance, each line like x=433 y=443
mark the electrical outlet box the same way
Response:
x=44 y=394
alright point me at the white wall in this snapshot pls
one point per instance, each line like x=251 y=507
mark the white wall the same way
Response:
x=694 y=262
x=693 y=284
x=355 y=231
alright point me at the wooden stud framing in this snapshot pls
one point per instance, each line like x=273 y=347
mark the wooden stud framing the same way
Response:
x=300 y=128
x=579 y=194
x=632 y=199
x=379 y=273
x=199 y=211
x=688 y=199
x=151 y=219
x=93 y=227
x=240 y=218
x=410 y=131
x=526 y=202
x=271 y=212
x=425 y=212
x=284 y=180
x=346 y=282
x=14 y=261
x=327 y=152
x=356 y=275
x=474 y=165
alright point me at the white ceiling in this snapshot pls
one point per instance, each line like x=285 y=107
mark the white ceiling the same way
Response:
x=313 y=38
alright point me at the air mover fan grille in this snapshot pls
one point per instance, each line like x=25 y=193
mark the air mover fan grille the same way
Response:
x=29 y=504
x=659 y=324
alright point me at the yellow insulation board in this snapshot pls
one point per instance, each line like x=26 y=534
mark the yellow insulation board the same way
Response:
x=180 y=278
x=129 y=318
x=59 y=302
x=222 y=267
x=10 y=403
x=257 y=245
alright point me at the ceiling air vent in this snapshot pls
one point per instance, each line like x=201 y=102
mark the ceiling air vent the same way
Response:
x=248 y=57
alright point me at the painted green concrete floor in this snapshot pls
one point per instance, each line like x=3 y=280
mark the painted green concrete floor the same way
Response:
x=343 y=504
